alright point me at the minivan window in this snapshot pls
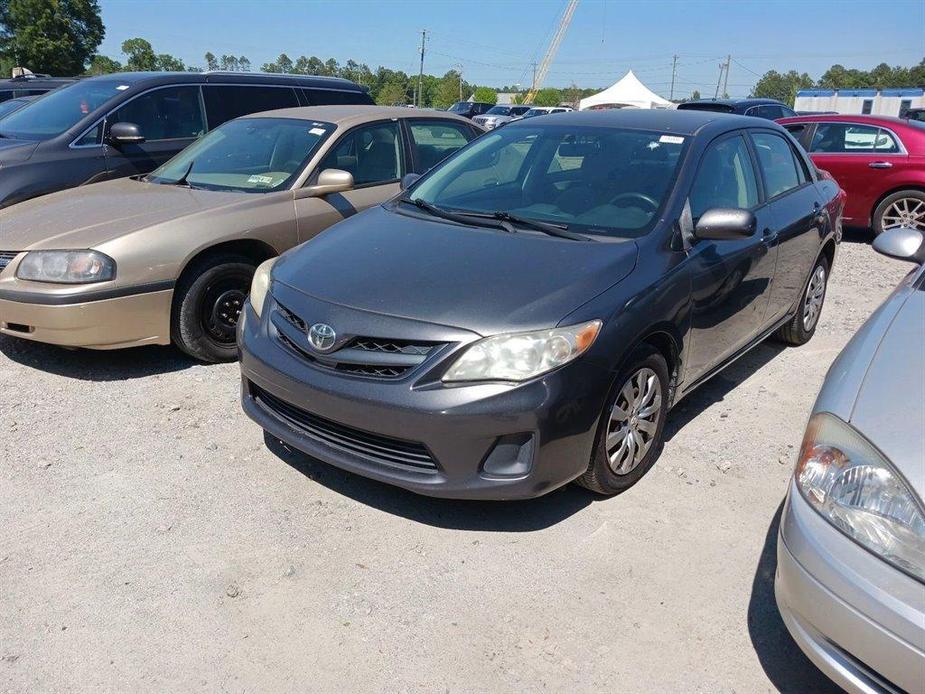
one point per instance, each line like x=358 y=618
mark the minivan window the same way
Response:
x=169 y=113
x=225 y=102
x=598 y=180
x=60 y=110
x=335 y=97
x=253 y=155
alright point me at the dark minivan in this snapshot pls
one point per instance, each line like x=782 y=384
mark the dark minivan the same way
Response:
x=124 y=124
x=771 y=109
x=527 y=312
x=470 y=109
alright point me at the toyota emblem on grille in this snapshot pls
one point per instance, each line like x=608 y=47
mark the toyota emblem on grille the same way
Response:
x=322 y=336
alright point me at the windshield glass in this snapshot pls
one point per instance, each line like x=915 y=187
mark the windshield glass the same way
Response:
x=253 y=155
x=534 y=112
x=11 y=105
x=499 y=111
x=595 y=180
x=59 y=110
x=459 y=107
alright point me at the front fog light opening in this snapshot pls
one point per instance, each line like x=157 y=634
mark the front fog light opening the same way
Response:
x=511 y=456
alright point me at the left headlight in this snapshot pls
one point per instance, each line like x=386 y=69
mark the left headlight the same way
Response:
x=520 y=356
x=260 y=285
x=66 y=267
x=847 y=480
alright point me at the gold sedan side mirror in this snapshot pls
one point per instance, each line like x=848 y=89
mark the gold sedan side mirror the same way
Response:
x=329 y=181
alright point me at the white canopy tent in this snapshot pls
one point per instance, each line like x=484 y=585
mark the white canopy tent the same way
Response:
x=629 y=92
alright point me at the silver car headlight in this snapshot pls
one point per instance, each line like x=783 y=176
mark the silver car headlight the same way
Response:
x=66 y=267
x=260 y=285
x=847 y=480
x=520 y=356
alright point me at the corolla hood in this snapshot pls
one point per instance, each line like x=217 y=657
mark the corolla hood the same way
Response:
x=14 y=151
x=88 y=216
x=479 y=279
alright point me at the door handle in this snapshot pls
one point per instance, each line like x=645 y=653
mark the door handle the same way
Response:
x=880 y=165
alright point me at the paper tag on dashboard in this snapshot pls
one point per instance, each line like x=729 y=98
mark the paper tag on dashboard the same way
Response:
x=671 y=140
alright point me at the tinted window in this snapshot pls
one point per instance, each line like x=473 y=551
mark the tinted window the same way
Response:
x=332 y=97
x=596 y=180
x=725 y=178
x=225 y=102
x=460 y=107
x=777 y=163
x=164 y=114
x=788 y=112
x=848 y=138
x=796 y=129
x=519 y=110
x=60 y=110
x=867 y=106
x=769 y=111
x=435 y=141
x=372 y=154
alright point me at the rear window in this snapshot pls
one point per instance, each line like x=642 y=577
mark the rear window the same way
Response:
x=224 y=103
x=697 y=106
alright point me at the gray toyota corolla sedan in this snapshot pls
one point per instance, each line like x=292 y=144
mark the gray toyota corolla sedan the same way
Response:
x=526 y=313
x=850 y=581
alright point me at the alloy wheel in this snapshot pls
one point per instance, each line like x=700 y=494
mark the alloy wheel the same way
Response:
x=815 y=293
x=905 y=212
x=634 y=421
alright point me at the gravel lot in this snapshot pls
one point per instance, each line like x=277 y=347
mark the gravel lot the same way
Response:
x=150 y=541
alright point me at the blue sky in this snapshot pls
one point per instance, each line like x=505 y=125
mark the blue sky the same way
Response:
x=495 y=42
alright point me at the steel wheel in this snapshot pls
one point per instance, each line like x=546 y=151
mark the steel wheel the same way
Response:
x=815 y=293
x=905 y=212
x=634 y=421
x=221 y=308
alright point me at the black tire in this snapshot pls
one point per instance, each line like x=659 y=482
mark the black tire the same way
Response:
x=601 y=475
x=908 y=199
x=799 y=330
x=206 y=304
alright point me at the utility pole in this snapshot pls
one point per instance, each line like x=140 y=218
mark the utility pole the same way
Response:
x=719 y=79
x=533 y=83
x=726 y=76
x=674 y=65
x=419 y=99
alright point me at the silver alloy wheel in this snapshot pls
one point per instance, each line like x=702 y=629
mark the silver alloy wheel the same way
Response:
x=905 y=212
x=815 y=293
x=634 y=421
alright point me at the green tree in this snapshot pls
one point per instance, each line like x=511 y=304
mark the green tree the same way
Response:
x=695 y=95
x=485 y=94
x=140 y=54
x=244 y=65
x=392 y=94
x=53 y=36
x=450 y=89
x=169 y=63
x=548 y=96
x=783 y=87
x=211 y=61
x=229 y=63
x=103 y=65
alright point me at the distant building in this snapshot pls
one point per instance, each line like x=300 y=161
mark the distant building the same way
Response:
x=876 y=102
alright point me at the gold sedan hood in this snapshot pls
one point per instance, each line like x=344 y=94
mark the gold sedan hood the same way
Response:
x=88 y=216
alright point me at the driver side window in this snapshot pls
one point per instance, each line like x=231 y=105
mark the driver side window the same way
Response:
x=372 y=154
x=726 y=178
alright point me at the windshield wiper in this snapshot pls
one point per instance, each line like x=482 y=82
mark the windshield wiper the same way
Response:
x=459 y=217
x=559 y=230
x=182 y=180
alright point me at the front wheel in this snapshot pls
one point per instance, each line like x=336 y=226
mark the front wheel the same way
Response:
x=802 y=327
x=208 y=301
x=629 y=436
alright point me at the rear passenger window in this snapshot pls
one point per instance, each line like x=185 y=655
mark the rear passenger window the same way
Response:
x=726 y=178
x=164 y=114
x=372 y=154
x=434 y=141
x=332 y=97
x=775 y=158
x=226 y=102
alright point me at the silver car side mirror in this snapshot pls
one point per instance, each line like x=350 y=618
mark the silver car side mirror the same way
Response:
x=329 y=181
x=901 y=243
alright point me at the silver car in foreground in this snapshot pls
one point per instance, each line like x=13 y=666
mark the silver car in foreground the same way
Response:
x=850 y=581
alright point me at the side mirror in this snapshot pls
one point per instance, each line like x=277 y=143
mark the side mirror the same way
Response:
x=329 y=181
x=901 y=243
x=724 y=223
x=125 y=134
x=408 y=180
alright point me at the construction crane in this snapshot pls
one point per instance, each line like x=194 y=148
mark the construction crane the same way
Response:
x=551 y=52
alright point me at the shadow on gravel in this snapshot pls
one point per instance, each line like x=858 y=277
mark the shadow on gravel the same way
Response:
x=454 y=514
x=783 y=661
x=95 y=365
x=716 y=389
x=862 y=235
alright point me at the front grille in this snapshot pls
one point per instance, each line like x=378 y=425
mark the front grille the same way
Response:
x=370 y=357
x=6 y=257
x=381 y=449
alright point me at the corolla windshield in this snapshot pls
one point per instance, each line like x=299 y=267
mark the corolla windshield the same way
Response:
x=59 y=110
x=592 y=180
x=254 y=155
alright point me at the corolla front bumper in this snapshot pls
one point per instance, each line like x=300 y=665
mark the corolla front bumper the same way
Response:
x=861 y=621
x=488 y=440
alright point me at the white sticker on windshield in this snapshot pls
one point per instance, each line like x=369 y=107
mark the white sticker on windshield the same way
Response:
x=316 y=131
x=256 y=178
x=122 y=87
x=671 y=140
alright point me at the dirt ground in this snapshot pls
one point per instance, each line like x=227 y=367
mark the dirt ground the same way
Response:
x=150 y=542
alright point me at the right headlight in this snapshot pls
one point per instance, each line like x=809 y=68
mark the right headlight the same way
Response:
x=66 y=267
x=853 y=486
x=260 y=285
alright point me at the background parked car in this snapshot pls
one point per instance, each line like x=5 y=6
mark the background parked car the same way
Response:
x=170 y=256
x=497 y=116
x=123 y=124
x=544 y=110
x=757 y=108
x=31 y=85
x=470 y=109
x=851 y=550
x=878 y=160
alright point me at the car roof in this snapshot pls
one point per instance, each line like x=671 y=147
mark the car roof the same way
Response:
x=670 y=120
x=136 y=78
x=354 y=114
x=735 y=102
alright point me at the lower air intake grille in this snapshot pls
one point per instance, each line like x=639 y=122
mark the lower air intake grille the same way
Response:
x=6 y=257
x=382 y=449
